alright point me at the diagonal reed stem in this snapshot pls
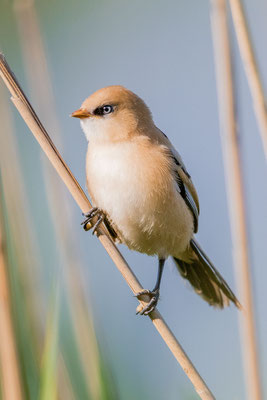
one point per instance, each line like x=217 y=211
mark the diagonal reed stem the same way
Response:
x=25 y=109
x=37 y=71
x=235 y=192
x=251 y=68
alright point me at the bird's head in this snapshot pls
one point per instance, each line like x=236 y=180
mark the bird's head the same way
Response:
x=113 y=114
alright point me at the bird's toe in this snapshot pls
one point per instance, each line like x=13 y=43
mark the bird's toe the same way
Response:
x=151 y=305
x=88 y=223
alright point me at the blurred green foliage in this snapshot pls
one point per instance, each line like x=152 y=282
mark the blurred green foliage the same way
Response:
x=49 y=360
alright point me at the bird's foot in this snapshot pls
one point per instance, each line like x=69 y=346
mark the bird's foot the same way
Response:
x=154 y=298
x=88 y=224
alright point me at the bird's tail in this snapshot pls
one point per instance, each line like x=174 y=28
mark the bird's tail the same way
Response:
x=205 y=279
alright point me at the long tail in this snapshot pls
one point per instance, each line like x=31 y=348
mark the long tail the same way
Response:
x=205 y=279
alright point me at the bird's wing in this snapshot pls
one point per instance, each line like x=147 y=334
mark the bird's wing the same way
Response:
x=184 y=183
x=186 y=190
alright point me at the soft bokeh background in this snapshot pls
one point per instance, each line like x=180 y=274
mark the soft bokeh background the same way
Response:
x=162 y=51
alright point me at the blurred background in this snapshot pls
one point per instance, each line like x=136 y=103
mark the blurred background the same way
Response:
x=73 y=316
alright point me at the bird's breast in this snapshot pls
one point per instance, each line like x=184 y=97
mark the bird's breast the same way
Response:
x=133 y=184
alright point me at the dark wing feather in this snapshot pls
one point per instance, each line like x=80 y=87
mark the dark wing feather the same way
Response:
x=186 y=189
x=199 y=271
x=205 y=279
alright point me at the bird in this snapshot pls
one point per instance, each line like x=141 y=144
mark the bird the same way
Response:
x=141 y=189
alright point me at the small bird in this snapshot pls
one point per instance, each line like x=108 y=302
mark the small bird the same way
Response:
x=142 y=190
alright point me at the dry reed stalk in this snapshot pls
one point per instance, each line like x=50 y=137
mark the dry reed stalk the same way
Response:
x=9 y=368
x=37 y=71
x=24 y=239
x=235 y=191
x=66 y=390
x=34 y=124
x=251 y=68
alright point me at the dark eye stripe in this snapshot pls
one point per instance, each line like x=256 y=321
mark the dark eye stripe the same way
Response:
x=106 y=109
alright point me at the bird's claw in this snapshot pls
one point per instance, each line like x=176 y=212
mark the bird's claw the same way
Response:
x=87 y=223
x=147 y=309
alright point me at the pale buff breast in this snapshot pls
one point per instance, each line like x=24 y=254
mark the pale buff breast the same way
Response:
x=131 y=181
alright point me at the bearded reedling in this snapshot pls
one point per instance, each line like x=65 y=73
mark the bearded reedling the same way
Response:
x=140 y=187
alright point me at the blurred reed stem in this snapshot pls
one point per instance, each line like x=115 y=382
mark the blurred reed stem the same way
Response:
x=66 y=391
x=38 y=76
x=236 y=195
x=27 y=298
x=31 y=119
x=25 y=290
x=251 y=68
x=20 y=223
x=48 y=379
x=9 y=366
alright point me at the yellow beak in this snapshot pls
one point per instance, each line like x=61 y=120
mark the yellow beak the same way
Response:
x=81 y=113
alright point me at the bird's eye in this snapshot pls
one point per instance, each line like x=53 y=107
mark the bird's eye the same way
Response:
x=107 y=109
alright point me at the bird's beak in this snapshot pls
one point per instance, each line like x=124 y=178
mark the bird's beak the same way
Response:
x=81 y=113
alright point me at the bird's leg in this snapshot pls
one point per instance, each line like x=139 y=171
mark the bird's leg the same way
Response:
x=95 y=211
x=154 y=294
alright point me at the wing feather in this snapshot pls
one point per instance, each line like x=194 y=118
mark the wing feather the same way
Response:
x=185 y=185
x=187 y=191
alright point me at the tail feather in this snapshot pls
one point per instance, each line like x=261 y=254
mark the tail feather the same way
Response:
x=205 y=279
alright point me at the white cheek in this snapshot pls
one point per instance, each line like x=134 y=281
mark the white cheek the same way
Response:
x=88 y=126
x=93 y=128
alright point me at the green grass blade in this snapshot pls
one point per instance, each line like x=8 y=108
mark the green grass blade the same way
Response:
x=48 y=378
